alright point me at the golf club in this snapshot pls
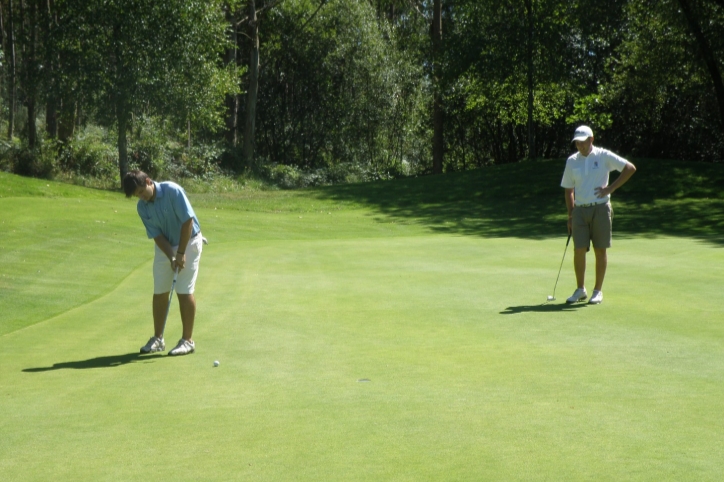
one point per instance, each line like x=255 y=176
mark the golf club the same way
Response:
x=170 y=296
x=552 y=298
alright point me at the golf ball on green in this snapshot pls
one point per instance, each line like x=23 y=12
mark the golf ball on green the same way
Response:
x=216 y=363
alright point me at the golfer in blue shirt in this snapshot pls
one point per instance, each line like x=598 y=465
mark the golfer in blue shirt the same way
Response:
x=171 y=222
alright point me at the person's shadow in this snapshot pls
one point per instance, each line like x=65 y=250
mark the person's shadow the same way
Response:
x=98 y=362
x=543 y=308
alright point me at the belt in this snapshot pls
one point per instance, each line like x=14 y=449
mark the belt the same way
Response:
x=587 y=205
x=204 y=240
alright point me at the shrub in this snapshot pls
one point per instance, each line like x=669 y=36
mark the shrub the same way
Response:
x=88 y=156
x=38 y=162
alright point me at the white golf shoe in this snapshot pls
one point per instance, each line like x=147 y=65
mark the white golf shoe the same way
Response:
x=184 y=347
x=578 y=295
x=154 y=344
x=596 y=297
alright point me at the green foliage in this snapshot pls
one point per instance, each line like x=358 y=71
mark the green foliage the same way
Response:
x=338 y=91
x=146 y=57
x=149 y=148
x=487 y=67
x=40 y=161
x=6 y=160
x=88 y=155
x=659 y=110
x=292 y=177
x=590 y=110
x=199 y=162
x=346 y=86
x=111 y=60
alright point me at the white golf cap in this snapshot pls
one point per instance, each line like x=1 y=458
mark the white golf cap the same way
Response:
x=582 y=133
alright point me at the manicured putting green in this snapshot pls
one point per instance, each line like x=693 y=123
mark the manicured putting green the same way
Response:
x=358 y=339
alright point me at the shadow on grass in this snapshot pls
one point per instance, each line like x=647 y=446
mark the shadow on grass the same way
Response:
x=99 y=362
x=543 y=308
x=525 y=200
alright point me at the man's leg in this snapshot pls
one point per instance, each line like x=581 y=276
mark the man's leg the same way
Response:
x=601 y=265
x=579 y=265
x=187 y=306
x=160 y=305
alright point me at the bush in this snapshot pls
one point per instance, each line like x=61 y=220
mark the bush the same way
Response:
x=88 y=156
x=38 y=162
x=292 y=177
x=199 y=162
x=6 y=161
x=147 y=147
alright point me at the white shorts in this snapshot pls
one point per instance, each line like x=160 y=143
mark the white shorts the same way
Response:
x=186 y=281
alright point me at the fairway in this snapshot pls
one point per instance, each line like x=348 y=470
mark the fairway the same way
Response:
x=386 y=331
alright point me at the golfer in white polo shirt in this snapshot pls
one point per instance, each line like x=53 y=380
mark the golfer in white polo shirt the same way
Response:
x=588 y=199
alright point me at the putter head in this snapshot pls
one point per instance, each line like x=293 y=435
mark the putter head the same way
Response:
x=551 y=298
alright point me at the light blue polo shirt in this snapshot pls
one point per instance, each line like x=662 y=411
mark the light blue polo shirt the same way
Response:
x=168 y=211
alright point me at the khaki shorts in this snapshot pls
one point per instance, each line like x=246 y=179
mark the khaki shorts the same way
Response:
x=186 y=281
x=592 y=224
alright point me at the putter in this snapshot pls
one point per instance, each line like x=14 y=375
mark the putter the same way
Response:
x=170 y=296
x=552 y=298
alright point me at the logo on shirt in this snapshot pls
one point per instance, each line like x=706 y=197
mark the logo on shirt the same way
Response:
x=595 y=164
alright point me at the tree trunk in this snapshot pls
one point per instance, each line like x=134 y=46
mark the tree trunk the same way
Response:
x=251 y=95
x=708 y=54
x=66 y=120
x=32 y=126
x=12 y=88
x=31 y=77
x=120 y=102
x=531 y=85
x=438 y=141
x=51 y=106
x=51 y=118
x=188 y=134
x=3 y=48
x=232 y=100
x=122 y=119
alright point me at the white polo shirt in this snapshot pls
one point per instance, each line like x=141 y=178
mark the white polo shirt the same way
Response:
x=584 y=174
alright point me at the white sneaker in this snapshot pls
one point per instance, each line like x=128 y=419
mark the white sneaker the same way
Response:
x=596 y=297
x=578 y=295
x=184 y=347
x=154 y=344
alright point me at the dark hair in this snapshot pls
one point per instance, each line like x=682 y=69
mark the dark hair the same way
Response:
x=133 y=180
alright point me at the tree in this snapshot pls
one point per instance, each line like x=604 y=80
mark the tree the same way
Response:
x=145 y=56
x=12 y=78
x=247 y=20
x=662 y=111
x=338 y=90
x=31 y=81
x=707 y=54
x=231 y=58
x=530 y=46
x=253 y=90
x=438 y=113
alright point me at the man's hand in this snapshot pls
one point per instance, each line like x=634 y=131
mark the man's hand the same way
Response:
x=602 y=192
x=179 y=261
x=625 y=175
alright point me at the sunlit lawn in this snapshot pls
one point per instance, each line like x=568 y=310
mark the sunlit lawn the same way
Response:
x=391 y=331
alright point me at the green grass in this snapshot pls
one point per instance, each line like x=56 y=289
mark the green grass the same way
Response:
x=432 y=289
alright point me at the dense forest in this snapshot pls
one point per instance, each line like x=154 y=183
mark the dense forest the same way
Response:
x=323 y=91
